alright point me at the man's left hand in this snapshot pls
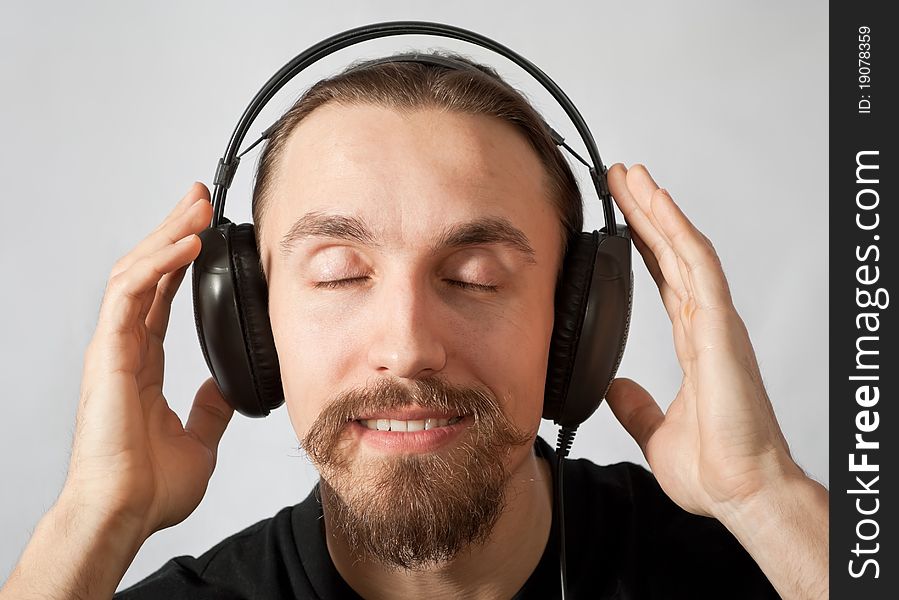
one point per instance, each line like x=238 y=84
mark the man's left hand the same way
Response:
x=718 y=449
x=719 y=443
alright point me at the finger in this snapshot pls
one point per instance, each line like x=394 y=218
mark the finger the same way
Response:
x=678 y=261
x=641 y=225
x=668 y=295
x=634 y=214
x=192 y=220
x=669 y=299
x=158 y=317
x=124 y=298
x=197 y=190
x=209 y=416
x=703 y=267
x=642 y=187
x=635 y=409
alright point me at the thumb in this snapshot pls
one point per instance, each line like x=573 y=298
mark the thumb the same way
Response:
x=209 y=415
x=635 y=409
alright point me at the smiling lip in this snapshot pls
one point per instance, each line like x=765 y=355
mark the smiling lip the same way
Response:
x=398 y=442
x=411 y=413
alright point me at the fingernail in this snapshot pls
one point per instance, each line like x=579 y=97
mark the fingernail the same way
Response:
x=184 y=240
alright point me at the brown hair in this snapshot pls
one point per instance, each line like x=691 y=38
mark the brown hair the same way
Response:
x=411 y=85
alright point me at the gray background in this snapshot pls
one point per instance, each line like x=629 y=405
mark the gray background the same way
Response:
x=111 y=109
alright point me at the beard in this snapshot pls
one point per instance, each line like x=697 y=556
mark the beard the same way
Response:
x=415 y=510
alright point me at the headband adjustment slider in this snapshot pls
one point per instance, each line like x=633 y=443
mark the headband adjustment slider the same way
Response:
x=224 y=172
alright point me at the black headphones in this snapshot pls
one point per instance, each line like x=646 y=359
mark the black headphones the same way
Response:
x=593 y=298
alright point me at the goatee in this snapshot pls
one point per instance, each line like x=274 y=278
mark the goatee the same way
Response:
x=415 y=510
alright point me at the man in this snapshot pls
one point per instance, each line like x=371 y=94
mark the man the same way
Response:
x=411 y=222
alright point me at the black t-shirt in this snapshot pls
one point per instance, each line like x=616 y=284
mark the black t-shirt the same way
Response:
x=625 y=539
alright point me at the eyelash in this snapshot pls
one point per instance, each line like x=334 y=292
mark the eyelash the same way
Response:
x=339 y=283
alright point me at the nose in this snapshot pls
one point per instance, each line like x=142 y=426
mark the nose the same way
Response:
x=406 y=337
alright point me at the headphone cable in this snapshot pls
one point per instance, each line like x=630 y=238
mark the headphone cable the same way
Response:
x=563 y=446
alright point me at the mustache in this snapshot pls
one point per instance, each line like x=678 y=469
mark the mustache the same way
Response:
x=321 y=443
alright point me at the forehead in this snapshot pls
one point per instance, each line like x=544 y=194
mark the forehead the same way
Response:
x=406 y=172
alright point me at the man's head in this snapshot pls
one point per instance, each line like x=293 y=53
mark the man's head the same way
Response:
x=411 y=222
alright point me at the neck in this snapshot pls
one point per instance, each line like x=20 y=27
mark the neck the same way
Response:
x=496 y=569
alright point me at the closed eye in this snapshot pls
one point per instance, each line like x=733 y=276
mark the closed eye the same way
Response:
x=339 y=283
x=465 y=285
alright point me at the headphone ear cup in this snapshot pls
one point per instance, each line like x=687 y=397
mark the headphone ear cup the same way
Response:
x=593 y=308
x=231 y=314
x=570 y=303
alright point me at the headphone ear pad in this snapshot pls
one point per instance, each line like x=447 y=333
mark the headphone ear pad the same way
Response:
x=592 y=317
x=570 y=301
x=231 y=314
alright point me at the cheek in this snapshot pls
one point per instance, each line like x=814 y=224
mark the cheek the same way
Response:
x=309 y=354
x=514 y=359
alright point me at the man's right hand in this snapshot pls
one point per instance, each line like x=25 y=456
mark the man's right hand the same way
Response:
x=132 y=458
x=134 y=469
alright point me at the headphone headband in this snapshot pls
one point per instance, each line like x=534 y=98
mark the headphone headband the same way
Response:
x=227 y=165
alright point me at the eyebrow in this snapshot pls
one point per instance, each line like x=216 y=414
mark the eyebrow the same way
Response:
x=483 y=230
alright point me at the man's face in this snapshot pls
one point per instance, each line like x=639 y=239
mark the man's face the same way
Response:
x=440 y=231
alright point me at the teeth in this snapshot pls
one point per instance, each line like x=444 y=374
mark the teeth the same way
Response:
x=396 y=425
